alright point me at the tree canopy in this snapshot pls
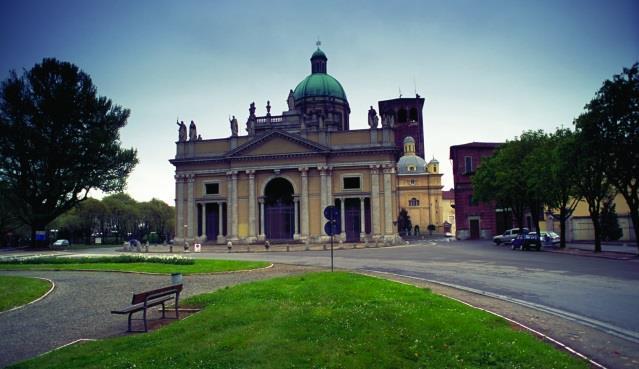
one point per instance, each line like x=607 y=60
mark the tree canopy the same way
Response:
x=58 y=141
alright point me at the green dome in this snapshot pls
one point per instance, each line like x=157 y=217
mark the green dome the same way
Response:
x=320 y=85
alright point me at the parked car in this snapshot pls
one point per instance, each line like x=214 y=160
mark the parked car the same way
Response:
x=60 y=243
x=526 y=241
x=549 y=238
x=508 y=236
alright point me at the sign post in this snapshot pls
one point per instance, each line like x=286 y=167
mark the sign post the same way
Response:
x=332 y=226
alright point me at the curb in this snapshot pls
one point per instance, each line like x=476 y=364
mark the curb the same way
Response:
x=617 y=256
x=36 y=300
x=130 y=271
x=531 y=330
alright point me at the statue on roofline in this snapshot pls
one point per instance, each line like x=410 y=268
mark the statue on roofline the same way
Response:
x=373 y=120
x=192 y=132
x=233 y=126
x=181 y=131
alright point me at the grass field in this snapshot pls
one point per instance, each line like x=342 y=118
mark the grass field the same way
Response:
x=321 y=320
x=16 y=291
x=114 y=264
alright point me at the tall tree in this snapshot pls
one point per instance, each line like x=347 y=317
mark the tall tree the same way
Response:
x=560 y=177
x=58 y=140
x=593 y=184
x=616 y=111
x=500 y=179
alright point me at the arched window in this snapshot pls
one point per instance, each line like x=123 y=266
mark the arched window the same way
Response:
x=413 y=115
x=401 y=116
x=413 y=202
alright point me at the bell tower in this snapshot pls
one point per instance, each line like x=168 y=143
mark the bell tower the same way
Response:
x=406 y=113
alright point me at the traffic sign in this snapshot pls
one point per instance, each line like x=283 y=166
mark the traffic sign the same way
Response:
x=331 y=212
x=332 y=228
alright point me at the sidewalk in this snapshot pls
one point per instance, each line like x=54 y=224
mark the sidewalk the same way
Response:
x=609 y=251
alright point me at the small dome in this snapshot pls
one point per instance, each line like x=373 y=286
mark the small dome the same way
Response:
x=408 y=140
x=433 y=161
x=319 y=54
x=411 y=164
x=319 y=85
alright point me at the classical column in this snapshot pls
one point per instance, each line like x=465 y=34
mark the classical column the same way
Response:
x=262 y=235
x=203 y=221
x=329 y=187
x=323 y=195
x=376 y=228
x=191 y=208
x=362 y=219
x=229 y=205
x=252 y=200
x=296 y=229
x=220 y=222
x=342 y=214
x=304 y=203
x=388 y=202
x=235 y=206
x=179 y=207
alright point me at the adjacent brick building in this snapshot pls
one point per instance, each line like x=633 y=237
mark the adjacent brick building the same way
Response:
x=473 y=220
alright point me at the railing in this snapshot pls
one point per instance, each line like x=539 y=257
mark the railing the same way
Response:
x=270 y=120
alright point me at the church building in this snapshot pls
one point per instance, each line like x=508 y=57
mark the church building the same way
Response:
x=273 y=182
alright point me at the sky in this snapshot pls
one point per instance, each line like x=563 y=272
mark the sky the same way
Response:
x=488 y=70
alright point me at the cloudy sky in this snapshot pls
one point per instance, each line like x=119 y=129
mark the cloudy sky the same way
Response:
x=488 y=69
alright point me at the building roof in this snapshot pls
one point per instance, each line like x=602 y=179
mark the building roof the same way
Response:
x=474 y=145
x=448 y=195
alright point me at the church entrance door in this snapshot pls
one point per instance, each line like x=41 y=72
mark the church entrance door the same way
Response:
x=212 y=221
x=352 y=220
x=279 y=211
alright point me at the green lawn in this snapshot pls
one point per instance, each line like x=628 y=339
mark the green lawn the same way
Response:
x=16 y=291
x=199 y=266
x=321 y=320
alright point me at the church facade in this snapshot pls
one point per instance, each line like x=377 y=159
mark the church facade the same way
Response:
x=274 y=182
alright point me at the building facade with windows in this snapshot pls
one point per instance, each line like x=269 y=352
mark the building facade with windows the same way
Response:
x=474 y=220
x=274 y=182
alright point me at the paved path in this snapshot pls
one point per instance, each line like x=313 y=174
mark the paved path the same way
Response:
x=80 y=305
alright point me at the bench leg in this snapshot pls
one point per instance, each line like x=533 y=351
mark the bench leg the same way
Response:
x=129 y=330
x=177 y=302
x=163 y=310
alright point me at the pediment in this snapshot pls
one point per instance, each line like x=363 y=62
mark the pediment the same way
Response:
x=277 y=143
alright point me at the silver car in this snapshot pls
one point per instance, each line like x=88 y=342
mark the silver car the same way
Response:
x=508 y=236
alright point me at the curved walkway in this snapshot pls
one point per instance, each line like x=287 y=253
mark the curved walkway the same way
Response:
x=79 y=307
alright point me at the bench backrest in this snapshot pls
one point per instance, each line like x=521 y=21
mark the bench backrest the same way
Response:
x=170 y=290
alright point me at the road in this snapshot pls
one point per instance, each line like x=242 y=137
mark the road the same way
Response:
x=601 y=293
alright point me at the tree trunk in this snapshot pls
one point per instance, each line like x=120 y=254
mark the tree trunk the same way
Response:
x=597 y=227
x=562 y=228
x=635 y=219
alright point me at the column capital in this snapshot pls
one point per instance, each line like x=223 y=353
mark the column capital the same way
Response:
x=303 y=171
x=231 y=173
x=251 y=173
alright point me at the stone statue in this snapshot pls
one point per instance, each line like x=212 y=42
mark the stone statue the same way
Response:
x=290 y=101
x=373 y=120
x=252 y=109
x=199 y=137
x=192 y=132
x=268 y=107
x=181 y=131
x=233 y=126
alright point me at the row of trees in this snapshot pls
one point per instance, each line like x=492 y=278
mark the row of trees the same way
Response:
x=116 y=218
x=593 y=162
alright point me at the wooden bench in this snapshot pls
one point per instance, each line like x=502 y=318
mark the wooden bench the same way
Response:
x=145 y=300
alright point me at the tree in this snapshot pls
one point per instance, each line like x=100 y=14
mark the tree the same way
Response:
x=560 y=177
x=58 y=140
x=123 y=216
x=615 y=115
x=157 y=216
x=593 y=184
x=500 y=179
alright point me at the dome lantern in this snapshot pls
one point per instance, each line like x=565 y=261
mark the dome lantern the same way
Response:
x=318 y=60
